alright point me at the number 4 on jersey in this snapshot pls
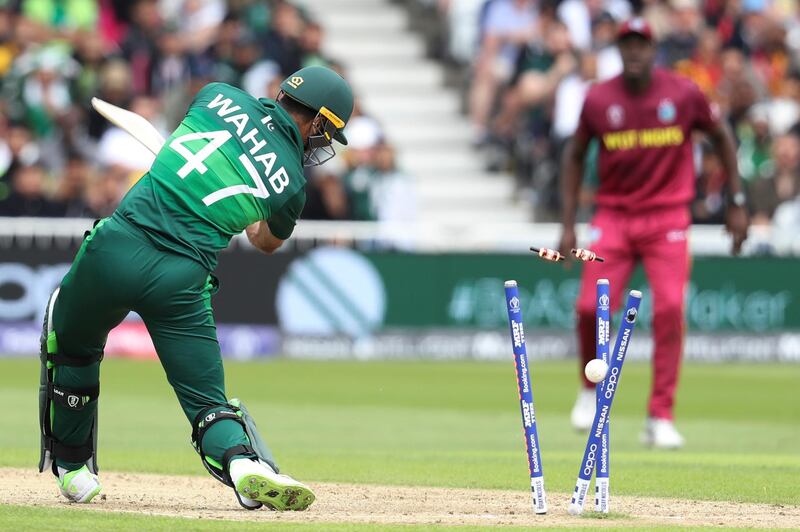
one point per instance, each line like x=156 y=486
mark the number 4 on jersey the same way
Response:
x=194 y=161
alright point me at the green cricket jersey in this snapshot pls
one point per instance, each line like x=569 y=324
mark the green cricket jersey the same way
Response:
x=233 y=160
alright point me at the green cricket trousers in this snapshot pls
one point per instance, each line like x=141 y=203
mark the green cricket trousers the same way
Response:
x=118 y=270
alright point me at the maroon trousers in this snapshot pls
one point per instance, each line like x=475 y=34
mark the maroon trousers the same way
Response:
x=659 y=241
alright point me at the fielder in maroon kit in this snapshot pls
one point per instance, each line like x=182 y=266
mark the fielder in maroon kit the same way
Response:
x=644 y=121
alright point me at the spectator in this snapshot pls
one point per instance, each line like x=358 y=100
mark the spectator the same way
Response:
x=580 y=17
x=90 y=54
x=107 y=189
x=767 y=193
x=201 y=73
x=282 y=42
x=71 y=193
x=46 y=89
x=508 y=26
x=149 y=56
x=170 y=67
x=220 y=56
x=527 y=107
x=540 y=69
x=709 y=205
x=54 y=15
x=658 y=14
x=8 y=46
x=22 y=148
x=680 y=43
x=755 y=146
x=787 y=222
x=311 y=44
x=784 y=109
x=735 y=71
x=364 y=136
x=375 y=188
x=117 y=148
x=393 y=194
x=604 y=36
x=769 y=56
x=27 y=197
x=793 y=93
x=55 y=20
x=738 y=53
x=112 y=22
x=569 y=96
x=139 y=47
x=738 y=89
x=260 y=76
x=116 y=87
x=462 y=27
x=196 y=22
x=245 y=57
x=703 y=67
x=326 y=198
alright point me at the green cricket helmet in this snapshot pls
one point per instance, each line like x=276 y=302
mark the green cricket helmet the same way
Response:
x=326 y=92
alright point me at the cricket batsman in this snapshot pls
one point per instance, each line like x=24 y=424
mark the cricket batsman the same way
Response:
x=644 y=120
x=235 y=163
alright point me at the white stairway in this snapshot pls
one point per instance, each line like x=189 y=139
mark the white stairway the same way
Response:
x=405 y=92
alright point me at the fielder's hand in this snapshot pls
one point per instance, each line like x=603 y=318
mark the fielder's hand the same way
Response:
x=737 y=224
x=568 y=242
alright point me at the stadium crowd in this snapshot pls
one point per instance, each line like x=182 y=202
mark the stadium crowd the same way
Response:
x=529 y=64
x=59 y=158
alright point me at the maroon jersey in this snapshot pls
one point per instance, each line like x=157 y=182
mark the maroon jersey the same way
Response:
x=645 y=140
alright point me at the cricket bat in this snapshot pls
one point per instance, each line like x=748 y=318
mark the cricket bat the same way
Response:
x=135 y=125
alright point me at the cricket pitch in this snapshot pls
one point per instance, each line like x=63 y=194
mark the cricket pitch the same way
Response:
x=198 y=497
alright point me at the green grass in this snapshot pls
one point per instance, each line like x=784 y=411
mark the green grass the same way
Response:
x=609 y=515
x=447 y=424
x=80 y=520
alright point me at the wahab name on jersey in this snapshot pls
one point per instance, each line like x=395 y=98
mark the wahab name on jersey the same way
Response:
x=234 y=160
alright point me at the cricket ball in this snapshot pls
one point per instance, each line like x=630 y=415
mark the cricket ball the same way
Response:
x=596 y=370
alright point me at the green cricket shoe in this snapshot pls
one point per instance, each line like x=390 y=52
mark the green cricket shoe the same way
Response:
x=255 y=481
x=79 y=486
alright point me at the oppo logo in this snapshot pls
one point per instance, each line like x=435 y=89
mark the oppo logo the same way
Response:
x=590 y=460
x=611 y=382
x=33 y=285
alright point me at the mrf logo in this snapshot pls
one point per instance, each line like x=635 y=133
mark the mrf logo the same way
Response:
x=519 y=334
x=602 y=332
x=295 y=81
x=527 y=414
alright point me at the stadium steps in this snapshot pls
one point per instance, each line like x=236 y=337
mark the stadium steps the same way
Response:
x=406 y=93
